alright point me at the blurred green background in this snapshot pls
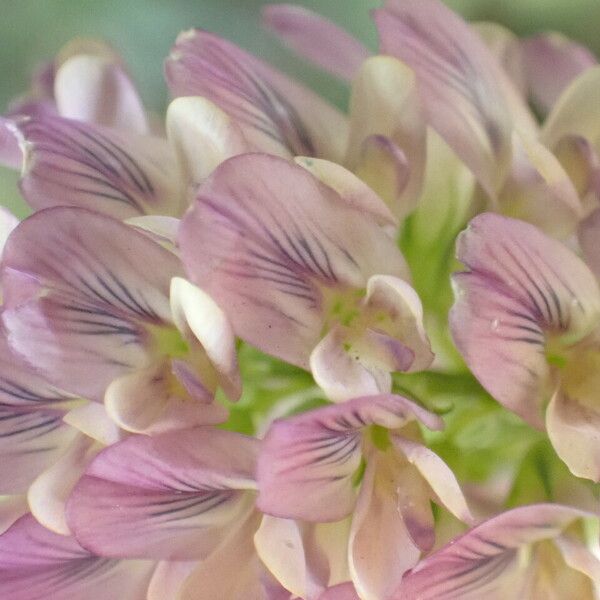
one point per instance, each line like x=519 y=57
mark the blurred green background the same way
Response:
x=143 y=31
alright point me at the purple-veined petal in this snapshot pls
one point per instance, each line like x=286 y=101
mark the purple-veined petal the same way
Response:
x=467 y=97
x=148 y=401
x=575 y=112
x=97 y=90
x=352 y=189
x=484 y=562
x=71 y=163
x=96 y=286
x=573 y=426
x=268 y=242
x=316 y=38
x=47 y=495
x=589 y=234
x=380 y=548
x=520 y=287
x=438 y=475
x=307 y=463
x=385 y=102
x=551 y=62
x=274 y=113
x=161 y=229
x=172 y=496
x=342 y=372
x=38 y=563
x=201 y=320
x=305 y=557
x=10 y=153
x=538 y=190
x=203 y=136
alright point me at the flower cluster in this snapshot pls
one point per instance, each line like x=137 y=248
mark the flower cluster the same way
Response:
x=233 y=366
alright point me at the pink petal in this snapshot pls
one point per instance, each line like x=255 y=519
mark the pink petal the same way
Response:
x=168 y=577
x=274 y=113
x=551 y=62
x=172 y=496
x=267 y=241
x=96 y=90
x=484 y=562
x=86 y=323
x=580 y=558
x=343 y=591
x=37 y=563
x=521 y=285
x=380 y=549
x=316 y=38
x=468 y=99
x=70 y=163
x=307 y=463
x=573 y=426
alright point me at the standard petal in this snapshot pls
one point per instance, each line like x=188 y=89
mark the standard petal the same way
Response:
x=574 y=429
x=274 y=113
x=203 y=136
x=316 y=38
x=271 y=244
x=385 y=102
x=92 y=300
x=380 y=549
x=97 y=90
x=70 y=163
x=307 y=463
x=37 y=563
x=521 y=287
x=177 y=494
x=468 y=99
x=484 y=562
x=551 y=62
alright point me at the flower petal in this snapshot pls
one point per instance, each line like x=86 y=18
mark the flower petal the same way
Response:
x=380 y=548
x=86 y=322
x=203 y=136
x=316 y=38
x=10 y=153
x=484 y=562
x=538 y=190
x=37 y=563
x=176 y=494
x=385 y=102
x=521 y=286
x=575 y=112
x=200 y=319
x=47 y=495
x=438 y=475
x=469 y=101
x=267 y=241
x=70 y=163
x=144 y=402
x=345 y=371
x=589 y=232
x=274 y=113
x=343 y=591
x=307 y=463
x=580 y=558
x=551 y=62
x=97 y=90
x=574 y=430
x=92 y=420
